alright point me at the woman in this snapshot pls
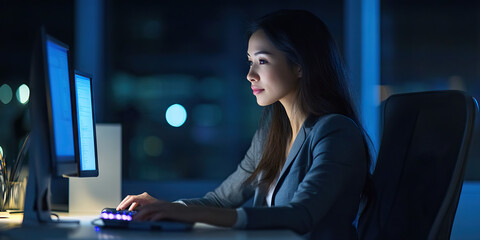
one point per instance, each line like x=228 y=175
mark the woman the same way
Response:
x=308 y=162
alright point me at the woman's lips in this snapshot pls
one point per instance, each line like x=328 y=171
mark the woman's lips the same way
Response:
x=257 y=90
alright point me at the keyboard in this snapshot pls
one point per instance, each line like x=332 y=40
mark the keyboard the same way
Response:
x=123 y=219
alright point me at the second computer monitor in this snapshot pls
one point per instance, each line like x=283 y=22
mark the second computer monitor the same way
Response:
x=85 y=133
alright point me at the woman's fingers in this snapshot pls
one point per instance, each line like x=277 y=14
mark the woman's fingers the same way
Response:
x=133 y=206
x=125 y=202
x=133 y=201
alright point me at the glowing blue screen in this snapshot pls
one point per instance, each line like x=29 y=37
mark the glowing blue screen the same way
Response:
x=60 y=101
x=85 y=122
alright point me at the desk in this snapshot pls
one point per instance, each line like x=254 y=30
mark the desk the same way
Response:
x=11 y=228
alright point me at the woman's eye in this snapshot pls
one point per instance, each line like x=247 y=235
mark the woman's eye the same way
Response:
x=250 y=63
x=261 y=61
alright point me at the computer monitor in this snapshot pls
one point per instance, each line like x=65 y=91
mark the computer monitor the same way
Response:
x=85 y=126
x=54 y=135
x=59 y=108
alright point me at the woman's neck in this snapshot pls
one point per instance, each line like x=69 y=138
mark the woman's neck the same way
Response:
x=295 y=116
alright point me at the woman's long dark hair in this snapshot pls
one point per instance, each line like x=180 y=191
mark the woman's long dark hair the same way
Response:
x=306 y=42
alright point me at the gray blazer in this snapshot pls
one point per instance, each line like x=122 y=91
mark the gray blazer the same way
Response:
x=318 y=191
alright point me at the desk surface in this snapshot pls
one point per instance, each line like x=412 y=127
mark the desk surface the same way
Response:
x=11 y=228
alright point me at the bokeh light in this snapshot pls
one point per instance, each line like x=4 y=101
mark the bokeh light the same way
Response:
x=5 y=94
x=23 y=94
x=176 y=115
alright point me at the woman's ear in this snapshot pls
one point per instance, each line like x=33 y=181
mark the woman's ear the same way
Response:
x=299 y=71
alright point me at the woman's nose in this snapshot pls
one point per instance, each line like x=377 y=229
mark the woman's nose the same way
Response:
x=252 y=76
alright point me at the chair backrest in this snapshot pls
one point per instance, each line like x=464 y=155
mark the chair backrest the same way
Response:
x=420 y=166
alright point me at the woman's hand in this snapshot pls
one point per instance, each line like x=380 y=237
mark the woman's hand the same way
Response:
x=136 y=200
x=162 y=210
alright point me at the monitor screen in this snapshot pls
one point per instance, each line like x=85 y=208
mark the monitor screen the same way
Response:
x=61 y=105
x=87 y=152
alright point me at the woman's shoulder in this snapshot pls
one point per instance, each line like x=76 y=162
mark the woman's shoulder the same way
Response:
x=334 y=125
x=332 y=121
x=338 y=133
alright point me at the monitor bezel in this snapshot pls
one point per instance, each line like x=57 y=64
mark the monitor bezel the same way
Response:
x=83 y=173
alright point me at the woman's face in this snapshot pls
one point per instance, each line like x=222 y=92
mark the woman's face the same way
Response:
x=272 y=77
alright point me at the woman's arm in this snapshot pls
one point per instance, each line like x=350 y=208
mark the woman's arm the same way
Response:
x=162 y=210
x=232 y=193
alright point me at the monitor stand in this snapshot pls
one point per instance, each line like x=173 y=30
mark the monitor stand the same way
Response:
x=37 y=197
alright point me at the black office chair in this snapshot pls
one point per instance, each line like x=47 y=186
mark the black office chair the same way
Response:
x=421 y=162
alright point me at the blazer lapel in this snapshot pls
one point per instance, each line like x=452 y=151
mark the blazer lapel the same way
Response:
x=297 y=145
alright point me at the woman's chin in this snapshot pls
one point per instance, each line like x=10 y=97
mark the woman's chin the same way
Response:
x=263 y=103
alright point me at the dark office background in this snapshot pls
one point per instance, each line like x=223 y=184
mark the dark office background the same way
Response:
x=159 y=53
